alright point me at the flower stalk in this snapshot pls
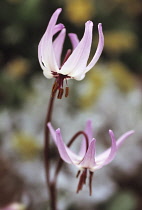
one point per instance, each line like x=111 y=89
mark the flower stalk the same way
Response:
x=51 y=186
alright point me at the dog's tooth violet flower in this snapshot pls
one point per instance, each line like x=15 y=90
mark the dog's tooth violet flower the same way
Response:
x=74 y=65
x=86 y=161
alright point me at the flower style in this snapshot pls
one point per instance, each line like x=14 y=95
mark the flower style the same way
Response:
x=86 y=159
x=74 y=65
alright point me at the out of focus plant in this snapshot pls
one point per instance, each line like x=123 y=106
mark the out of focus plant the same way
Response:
x=79 y=11
x=117 y=42
x=124 y=79
x=93 y=85
x=26 y=146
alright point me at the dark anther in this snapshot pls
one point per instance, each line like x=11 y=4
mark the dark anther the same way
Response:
x=90 y=182
x=54 y=88
x=66 y=91
x=78 y=174
x=60 y=93
x=82 y=180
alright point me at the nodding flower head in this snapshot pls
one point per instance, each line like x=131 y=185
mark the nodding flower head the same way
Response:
x=86 y=161
x=74 y=64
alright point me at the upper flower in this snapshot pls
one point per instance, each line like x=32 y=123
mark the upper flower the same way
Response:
x=74 y=64
x=86 y=159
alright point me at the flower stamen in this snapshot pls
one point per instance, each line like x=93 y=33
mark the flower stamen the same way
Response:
x=78 y=173
x=90 y=182
x=82 y=180
x=66 y=91
x=60 y=93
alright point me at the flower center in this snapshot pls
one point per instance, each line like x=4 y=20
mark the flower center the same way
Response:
x=58 y=85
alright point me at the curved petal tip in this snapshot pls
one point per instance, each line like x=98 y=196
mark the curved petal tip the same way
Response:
x=58 y=131
x=48 y=124
x=100 y=25
x=111 y=132
x=89 y=22
x=58 y=10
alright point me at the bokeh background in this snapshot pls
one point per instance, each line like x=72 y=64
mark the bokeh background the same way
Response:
x=110 y=95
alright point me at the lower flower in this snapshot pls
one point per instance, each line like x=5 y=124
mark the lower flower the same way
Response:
x=86 y=161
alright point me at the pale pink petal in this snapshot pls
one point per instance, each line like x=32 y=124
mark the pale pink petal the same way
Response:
x=99 y=49
x=89 y=159
x=75 y=158
x=58 y=28
x=46 y=52
x=47 y=74
x=105 y=159
x=58 y=46
x=123 y=138
x=61 y=147
x=74 y=40
x=66 y=154
x=89 y=132
x=107 y=156
x=52 y=132
x=45 y=67
x=80 y=76
x=76 y=63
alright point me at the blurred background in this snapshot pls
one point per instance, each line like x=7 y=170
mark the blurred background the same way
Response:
x=110 y=95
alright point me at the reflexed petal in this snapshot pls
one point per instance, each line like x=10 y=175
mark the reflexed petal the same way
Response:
x=112 y=149
x=99 y=49
x=53 y=133
x=58 y=28
x=46 y=52
x=89 y=159
x=123 y=138
x=88 y=130
x=75 y=158
x=58 y=46
x=74 y=40
x=107 y=156
x=61 y=147
x=104 y=159
x=76 y=63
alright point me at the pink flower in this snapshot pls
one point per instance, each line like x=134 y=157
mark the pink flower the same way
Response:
x=86 y=160
x=74 y=65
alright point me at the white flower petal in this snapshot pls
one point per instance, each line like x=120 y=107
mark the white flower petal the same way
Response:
x=74 y=40
x=76 y=63
x=99 y=49
x=58 y=46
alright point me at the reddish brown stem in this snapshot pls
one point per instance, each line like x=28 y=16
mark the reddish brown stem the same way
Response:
x=50 y=186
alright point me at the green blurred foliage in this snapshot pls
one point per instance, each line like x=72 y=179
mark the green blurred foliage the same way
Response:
x=26 y=146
